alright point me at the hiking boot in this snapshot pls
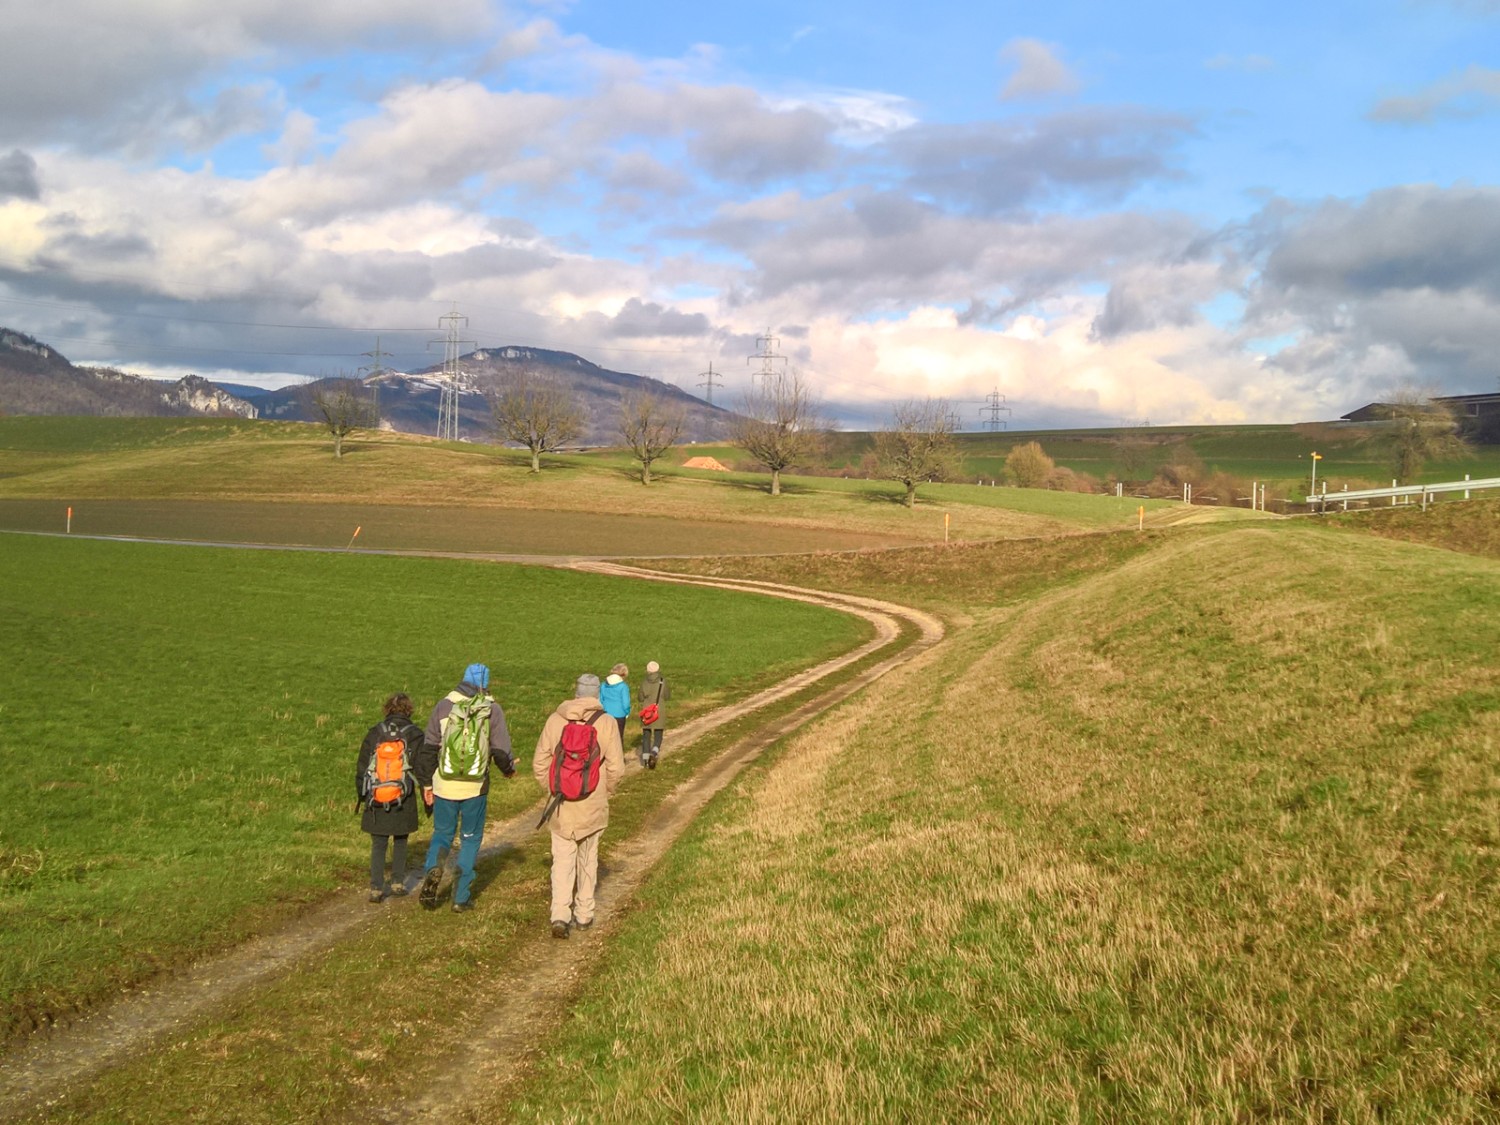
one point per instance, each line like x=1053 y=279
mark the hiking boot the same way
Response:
x=428 y=895
x=651 y=762
x=559 y=929
x=376 y=894
x=398 y=890
x=462 y=907
x=583 y=925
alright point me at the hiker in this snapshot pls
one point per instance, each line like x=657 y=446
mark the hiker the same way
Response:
x=386 y=780
x=614 y=696
x=465 y=732
x=577 y=824
x=655 y=691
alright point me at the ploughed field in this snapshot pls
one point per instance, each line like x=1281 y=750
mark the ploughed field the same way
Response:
x=181 y=724
x=1206 y=834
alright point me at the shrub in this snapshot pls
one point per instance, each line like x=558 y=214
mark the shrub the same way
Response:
x=1028 y=466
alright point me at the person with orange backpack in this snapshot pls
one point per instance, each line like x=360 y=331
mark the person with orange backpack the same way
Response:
x=579 y=763
x=386 y=783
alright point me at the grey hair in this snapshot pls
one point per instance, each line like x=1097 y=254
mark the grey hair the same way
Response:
x=587 y=687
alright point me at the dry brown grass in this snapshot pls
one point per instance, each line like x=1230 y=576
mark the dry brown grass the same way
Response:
x=1207 y=837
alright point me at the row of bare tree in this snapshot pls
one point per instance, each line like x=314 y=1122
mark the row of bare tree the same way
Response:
x=780 y=423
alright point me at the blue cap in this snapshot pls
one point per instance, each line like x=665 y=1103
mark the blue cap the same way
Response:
x=478 y=675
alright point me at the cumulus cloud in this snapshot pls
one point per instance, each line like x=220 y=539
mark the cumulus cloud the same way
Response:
x=18 y=178
x=1099 y=154
x=1036 y=70
x=1469 y=93
x=1405 y=281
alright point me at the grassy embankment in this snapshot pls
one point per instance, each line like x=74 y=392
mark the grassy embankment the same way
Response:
x=211 y=479
x=1472 y=526
x=181 y=725
x=1206 y=835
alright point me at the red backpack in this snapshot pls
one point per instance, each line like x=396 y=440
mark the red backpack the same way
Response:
x=576 y=762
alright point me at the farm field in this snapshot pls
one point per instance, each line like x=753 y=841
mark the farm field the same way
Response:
x=1204 y=834
x=276 y=463
x=182 y=724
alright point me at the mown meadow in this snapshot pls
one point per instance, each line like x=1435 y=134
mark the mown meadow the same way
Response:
x=181 y=723
x=1209 y=834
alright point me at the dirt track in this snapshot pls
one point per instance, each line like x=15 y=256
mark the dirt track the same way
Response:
x=52 y=1066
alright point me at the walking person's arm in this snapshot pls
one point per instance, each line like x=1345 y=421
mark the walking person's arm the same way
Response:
x=500 y=741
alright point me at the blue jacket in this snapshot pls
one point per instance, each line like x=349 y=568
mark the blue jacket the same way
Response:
x=615 y=698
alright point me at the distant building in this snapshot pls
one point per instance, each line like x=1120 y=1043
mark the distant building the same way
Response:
x=1464 y=406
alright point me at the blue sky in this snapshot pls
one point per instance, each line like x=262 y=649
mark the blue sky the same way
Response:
x=1266 y=212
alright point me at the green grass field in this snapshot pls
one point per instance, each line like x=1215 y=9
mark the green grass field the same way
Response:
x=1207 y=835
x=181 y=724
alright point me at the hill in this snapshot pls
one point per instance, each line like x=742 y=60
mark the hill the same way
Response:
x=38 y=379
x=408 y=402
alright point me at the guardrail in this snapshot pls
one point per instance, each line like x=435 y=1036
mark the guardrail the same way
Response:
x=1397 y=491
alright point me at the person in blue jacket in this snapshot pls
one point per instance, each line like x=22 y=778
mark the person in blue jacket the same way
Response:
x=614 y=696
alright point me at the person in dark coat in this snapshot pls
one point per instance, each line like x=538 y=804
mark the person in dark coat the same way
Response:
x=654 y=691
x=385 y=822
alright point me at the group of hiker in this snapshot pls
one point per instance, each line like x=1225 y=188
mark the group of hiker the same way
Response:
x=444 y=769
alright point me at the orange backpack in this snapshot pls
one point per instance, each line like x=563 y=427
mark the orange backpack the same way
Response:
x=388 y=777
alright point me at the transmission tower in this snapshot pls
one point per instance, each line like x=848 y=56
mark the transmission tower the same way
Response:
x=453 y=323
x=769 y=357
x=373 y=370
x=709 y=380
x=994 y=407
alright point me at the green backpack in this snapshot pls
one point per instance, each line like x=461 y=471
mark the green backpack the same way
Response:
x=466 y=739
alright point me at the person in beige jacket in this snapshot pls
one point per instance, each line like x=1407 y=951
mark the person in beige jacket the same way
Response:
x=577 y=825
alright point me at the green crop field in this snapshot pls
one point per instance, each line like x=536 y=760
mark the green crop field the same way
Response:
x=1206 y=834
x=181 y=724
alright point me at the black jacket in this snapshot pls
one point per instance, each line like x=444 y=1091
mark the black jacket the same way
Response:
x=402 y=820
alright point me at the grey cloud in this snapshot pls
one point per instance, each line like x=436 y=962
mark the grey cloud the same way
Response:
x=1127 y=309
x=1408 y=275
x=997 y=166
x=1036 y=70
x=741 y=141
x=18 y=178
x=1469 y=93
x=642 y=319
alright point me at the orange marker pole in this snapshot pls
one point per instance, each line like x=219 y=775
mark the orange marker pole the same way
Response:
x=945 y=528
x=352 y=538
x=70 y=519
x=1140 y=518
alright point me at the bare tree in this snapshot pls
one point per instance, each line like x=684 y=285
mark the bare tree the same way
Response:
x=650 y=427
x=779 y=423
x=536 y=414
x=918 y=445
x=1422 y=430
x=342 y=406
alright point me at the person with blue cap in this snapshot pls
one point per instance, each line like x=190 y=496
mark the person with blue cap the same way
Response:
x=465 y=733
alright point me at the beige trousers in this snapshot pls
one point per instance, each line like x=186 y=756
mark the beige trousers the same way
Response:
x=575 y=873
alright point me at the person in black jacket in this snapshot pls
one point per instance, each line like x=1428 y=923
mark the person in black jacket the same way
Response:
x=390 y=821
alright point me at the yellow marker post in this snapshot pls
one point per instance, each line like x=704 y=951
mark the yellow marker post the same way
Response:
x=352 y=538
x=70 y=519
x=1140 y=518
x=945 y=528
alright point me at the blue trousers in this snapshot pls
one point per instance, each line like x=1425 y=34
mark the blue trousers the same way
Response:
x=446 y=817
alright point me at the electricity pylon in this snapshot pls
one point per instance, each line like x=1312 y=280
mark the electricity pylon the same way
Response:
x=769 y=357
x=452 y=343
x=994 y=407
x=710 y=379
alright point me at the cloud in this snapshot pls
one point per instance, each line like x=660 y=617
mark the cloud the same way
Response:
x=1405 y=280
x=18 y=178
x=1036 y=71
x=1470 y=93
x=1250 y=64
x=1097 y=154
x=99 y=72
